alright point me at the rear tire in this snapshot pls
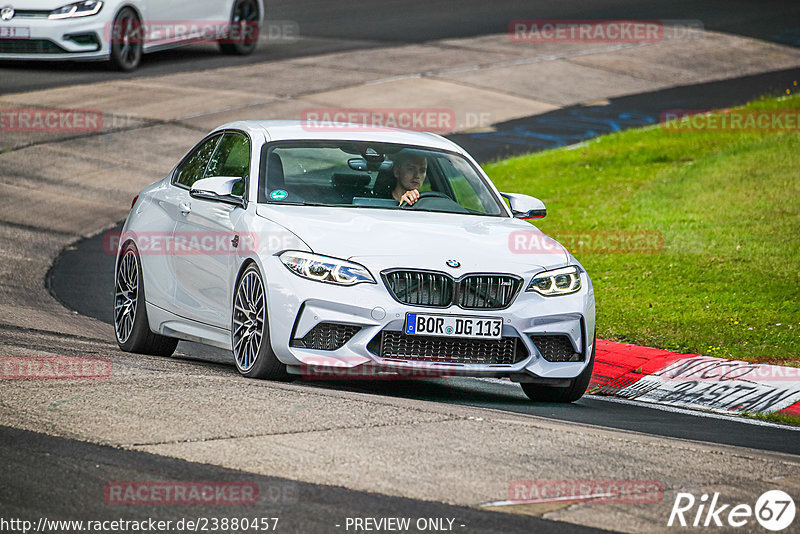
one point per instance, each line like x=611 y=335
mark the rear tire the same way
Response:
x=245 y=18
x=252 y=349
x=130 y=312
x=127 y=40
x=571 y=393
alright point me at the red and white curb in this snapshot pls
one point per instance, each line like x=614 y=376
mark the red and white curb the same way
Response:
x=693 y=381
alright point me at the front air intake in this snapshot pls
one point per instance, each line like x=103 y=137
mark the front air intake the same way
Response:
x=487 y=291
x=421 y=288
x=400 y=346
x=326 y=336
x=439 y=290
x=556 y=348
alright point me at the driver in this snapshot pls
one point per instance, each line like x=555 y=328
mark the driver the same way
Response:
x=410 y=169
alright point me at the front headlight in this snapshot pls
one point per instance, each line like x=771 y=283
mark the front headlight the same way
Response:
x=325 y=269
x=557 y=282
x=78 y=9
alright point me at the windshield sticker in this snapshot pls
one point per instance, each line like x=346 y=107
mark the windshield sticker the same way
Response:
x=278 y=194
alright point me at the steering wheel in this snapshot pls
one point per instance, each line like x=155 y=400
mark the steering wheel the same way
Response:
x=430 y=195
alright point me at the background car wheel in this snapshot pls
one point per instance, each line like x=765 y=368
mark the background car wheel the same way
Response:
x=130 y=313
x=572 y=393
x=250 y=329
x=126 y=40
x=243 y=37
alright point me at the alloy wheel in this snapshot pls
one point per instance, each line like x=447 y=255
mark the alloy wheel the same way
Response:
x=248 y=320
x=243 y=33
x=126 y=295
x=128 y=33
x=245 y=13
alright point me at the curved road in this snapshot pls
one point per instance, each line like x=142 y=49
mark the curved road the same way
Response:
x=335 y=26
x=62 y=476
x=93 y=296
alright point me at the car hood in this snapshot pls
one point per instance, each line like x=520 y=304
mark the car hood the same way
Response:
x=389 y=238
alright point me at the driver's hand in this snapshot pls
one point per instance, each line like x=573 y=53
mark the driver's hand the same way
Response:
x=409 y=197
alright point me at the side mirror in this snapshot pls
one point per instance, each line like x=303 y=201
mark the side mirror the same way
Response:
x=219 y=188
x=525 y=207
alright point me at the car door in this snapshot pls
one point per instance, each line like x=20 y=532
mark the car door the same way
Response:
x=191 y=169
x=155 y=215
x=210 y=229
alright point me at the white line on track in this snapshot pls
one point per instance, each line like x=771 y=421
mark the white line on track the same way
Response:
x=568 y=498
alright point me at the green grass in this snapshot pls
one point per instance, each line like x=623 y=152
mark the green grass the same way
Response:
x=777 y=417
x=728 y=207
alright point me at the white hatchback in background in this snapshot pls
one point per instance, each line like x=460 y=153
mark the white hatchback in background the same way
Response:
x=283 y=243
x=122 y=30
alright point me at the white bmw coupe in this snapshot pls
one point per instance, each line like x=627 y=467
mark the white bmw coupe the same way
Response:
x=122 y=30
x=286 y=243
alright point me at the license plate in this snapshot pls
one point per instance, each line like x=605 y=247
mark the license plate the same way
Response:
x=15 y=32
x=424 y=324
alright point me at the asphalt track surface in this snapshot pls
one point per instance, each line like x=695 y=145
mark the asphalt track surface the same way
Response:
x=59 y=478
x=78 y=472
x=573 y=124
x=336 y=26
x=82 y=277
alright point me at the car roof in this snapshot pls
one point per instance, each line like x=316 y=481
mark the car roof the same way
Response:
x=290 y=130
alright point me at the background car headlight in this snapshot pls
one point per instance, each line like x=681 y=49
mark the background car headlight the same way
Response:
x=78 y=9
x=325 y=269
x=557 y=282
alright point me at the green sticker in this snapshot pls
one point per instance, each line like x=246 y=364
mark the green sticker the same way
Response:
x=278 y=194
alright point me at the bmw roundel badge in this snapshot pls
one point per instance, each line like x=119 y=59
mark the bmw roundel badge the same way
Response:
x=453 y=263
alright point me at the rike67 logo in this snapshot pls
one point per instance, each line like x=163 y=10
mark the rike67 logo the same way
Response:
x=774 y=510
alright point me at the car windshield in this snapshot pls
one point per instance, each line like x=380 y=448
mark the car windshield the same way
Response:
x=373 y=175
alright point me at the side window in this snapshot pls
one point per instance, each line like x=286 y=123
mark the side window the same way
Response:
x=231 y=158
x=193 y=168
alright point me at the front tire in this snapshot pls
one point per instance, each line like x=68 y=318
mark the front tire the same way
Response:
x=243 y=35
x=573 y=392
x=130 y=312
x=127 y=40
x=252 y=350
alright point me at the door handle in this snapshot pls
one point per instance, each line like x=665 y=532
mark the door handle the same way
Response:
x=185 y=208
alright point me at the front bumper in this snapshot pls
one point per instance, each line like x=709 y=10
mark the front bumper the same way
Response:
x=82 y=38
x=296 y=306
